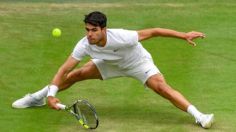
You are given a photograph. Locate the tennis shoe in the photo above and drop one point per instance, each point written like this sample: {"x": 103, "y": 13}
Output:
{"x": 28, "y": 101}
{"x": 206, "y": 120}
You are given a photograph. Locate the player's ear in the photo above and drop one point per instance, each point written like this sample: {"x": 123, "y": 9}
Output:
{"x": 104, "y": 29}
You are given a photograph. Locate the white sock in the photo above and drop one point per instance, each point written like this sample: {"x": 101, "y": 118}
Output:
{"x": 41, "y": 93}
{"x": 194, "y": 112}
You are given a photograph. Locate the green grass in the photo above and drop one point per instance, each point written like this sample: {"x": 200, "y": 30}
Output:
{"x": 30, "y": 56}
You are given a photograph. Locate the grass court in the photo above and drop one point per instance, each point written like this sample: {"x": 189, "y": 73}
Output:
{"x": 205, "y": 74}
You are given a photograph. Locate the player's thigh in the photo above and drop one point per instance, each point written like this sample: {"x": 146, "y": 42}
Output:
{"x": 87, "y": 71}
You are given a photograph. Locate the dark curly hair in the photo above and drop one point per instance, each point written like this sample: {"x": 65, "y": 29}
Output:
{"x": 96, "y": 18}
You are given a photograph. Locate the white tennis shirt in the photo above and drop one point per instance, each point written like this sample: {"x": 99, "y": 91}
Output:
{"x": 122, "y": 49}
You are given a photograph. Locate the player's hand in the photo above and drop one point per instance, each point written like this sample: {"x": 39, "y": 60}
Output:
{"x": 190, "y": 36}
{"x": 52, "y": 101}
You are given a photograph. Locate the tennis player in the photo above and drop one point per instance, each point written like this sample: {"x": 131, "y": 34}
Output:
{"x": 115, "y": 53}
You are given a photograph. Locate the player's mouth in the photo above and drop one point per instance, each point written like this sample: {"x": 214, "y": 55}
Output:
{"x": 91, "y": 40}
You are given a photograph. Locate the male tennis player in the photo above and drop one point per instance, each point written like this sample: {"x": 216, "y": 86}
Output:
{"x": 115, "y": 53}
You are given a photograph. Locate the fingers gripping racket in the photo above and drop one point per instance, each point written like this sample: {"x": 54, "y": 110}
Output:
{"x": 84, "y": 112}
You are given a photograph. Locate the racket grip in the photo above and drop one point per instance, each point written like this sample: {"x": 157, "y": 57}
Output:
{"x": 61, "y": 106}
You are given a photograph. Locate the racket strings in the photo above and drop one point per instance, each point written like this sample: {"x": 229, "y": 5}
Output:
{"x": 87, "y": 114}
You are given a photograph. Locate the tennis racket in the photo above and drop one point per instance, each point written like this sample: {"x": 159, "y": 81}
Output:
{"x": 84, "y": 112}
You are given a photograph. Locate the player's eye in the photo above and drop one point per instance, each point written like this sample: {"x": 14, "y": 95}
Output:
{"x": 87, "y": 29}
{"x": 94, "y": 29}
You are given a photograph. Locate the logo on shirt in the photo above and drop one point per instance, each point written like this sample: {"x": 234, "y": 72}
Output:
{"x": 147, "y": 71}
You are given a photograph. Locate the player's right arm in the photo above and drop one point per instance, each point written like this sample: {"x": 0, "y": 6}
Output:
{"x": 59, "y": 80}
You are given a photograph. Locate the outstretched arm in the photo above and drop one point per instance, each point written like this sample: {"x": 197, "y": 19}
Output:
{"x": 59, "y": 80}
{"x": 155, "y": 32}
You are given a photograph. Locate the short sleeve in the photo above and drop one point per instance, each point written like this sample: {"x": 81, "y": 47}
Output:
{"x": 79, "y": 51}
{"x": 130, "y": 36}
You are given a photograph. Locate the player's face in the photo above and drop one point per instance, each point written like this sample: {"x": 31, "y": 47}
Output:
{"x": 95, "y": 34}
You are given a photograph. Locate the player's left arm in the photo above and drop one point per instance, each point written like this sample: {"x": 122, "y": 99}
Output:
{"x": 155, "y": 32}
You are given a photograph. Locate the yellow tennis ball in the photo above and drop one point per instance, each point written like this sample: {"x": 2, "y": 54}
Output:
{"x": 56, "y": 32}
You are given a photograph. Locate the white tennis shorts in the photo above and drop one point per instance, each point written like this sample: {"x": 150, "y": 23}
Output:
{"x": 141, "y": 72}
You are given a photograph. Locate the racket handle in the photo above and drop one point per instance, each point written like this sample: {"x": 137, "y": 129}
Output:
{"x": 61, "y": 106}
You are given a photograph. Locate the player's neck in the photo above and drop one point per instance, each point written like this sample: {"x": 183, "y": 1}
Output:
{"x": 103, "y": 41}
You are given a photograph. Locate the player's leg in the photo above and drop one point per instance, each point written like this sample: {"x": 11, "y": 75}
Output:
{"x": 158, "y": 84}
{"x": 94, "y": 69}
{"x": 88, "y": 71}
{"x": 150, "y": 76}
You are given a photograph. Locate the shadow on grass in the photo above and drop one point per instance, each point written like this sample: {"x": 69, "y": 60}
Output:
{"x": 144, "y": 114}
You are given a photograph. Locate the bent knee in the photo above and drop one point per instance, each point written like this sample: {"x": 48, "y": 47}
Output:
{"x": 161, "y": 87}
{"x": 158, "y": 84}
{"x": 155, "y": 80}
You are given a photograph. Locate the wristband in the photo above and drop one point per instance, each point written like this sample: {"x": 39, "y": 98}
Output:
{"x": 52, "y": 90}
